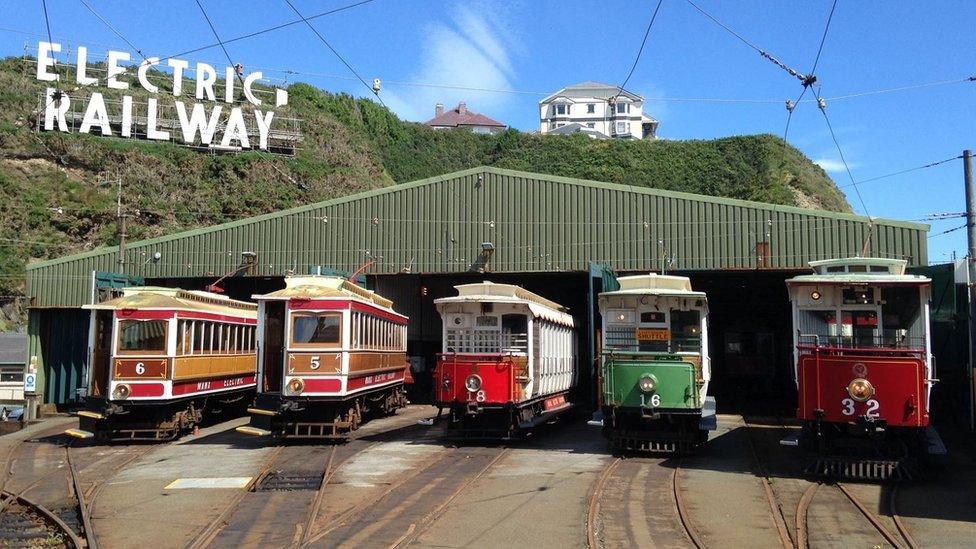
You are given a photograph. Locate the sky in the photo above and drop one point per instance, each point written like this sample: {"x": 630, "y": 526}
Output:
{"x": 423, "y": 50}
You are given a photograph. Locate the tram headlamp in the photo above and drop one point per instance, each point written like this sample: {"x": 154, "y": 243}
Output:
{"x": 121, "y": 391}
{"x": 473, "y": 383}
{"x": 646, "y": 383}
{"x": 815, "y": 295}
{"x": 296, "y": 386}
{"x": 860, "y": 390}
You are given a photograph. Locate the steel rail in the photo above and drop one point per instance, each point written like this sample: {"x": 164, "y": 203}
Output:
{"x": 206, "y": 536}
{"x": 802, "y": 507}
{"x": 775, "y": 509}
{"x": 313, "y": 508}
{"x": 683, "y": 515}
{"x": 872, "y": 518}
{"x": 899, "y": 523}
{"x": 416, "y": 530}
{"x": 369, "y": 502}
{"x": 83, "y": 508}
{"x": 73, "y": 538}
{"x": 593, "y": 507}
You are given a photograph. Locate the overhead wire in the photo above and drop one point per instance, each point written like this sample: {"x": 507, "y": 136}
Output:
{"x": 823, "y": 39}
{"x": 219, "y": 41}
{"x": 113, "y": 29}
{"x": 954, "y": 229}
{"x": 335, "y": 52}
{"x": 647, "y": 32}
{"x": 900, "y": 172}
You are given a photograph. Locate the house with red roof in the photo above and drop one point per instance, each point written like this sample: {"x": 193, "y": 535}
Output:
{"x": 461, "y": 117}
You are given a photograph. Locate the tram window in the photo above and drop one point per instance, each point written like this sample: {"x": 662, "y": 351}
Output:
{"x": 309, "y": 329}
{"x": 854, "y": 296}
{"x": 879, "y": 269}
{"x": 857, "y": 269}
{"x": 653, "y": 317}
{"x": 821, "y": 323}
{"x": 685, "y": 331}
{"x": 208, "y": 337}
{"x": 860, "y": 326}
{"x": 184, "y": 335}
{"x": 836, "y": 269}
{"x": 142, "y": 336}
{"x": 900, "y": 312}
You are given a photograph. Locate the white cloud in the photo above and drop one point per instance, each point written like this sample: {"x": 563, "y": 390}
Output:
{"x": 472, "y": 51}
{"x": 831, "y": 165}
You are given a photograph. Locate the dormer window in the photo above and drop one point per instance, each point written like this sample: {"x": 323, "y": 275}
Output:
{"x": 591, "y": 108}
{"x": 623, "y": 108}
{"x": 561, "y": 109}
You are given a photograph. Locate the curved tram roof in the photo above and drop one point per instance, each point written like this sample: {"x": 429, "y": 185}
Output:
{"x": 491, "y": 292}
{"x": 655, "y": 284}
{"x": 326, "y": 287}
{"x": 158, "y": 298}
{"x": 859, "y": 271}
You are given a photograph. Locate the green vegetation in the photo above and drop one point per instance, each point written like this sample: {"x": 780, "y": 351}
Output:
{"x": 59, "y": 196}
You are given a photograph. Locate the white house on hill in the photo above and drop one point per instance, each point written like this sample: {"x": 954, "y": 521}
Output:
{"x": 598, "y": 110}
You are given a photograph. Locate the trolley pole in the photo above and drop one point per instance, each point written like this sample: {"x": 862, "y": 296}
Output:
{"x": 967, "y": 167}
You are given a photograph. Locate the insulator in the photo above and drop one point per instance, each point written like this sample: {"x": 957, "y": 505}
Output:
{"x": 376, "y": 85}
{"x": 790, "y": 105}
{"x": 822, "y": 103}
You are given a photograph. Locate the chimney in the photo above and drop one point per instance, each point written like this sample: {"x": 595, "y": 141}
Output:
{"x": 438, "y": 109}
{"x": 462, "y": 108}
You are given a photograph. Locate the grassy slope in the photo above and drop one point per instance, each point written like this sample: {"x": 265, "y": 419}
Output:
{"x": 350, "y": 145}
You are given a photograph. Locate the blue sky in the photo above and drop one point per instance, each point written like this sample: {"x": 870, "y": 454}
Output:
{"x": 537, "y": 47}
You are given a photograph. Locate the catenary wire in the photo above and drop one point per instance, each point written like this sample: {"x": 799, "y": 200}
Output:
{"x": 893, "y": 174}
{"x": 823, "y": 39}
{"x": 847, "y": 167}
{"x": 949, "y": 231}
{"x": 217, "y": 36}
{"x": 647, "y": 32}
{"x": 334, "y": 52}
{"x": 113, "y": 29}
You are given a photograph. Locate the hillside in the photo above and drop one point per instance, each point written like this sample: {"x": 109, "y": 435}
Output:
{"x": 54, "y": 203}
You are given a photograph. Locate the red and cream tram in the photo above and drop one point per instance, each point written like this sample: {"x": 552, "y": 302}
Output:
{"x": 863, "y": 367}
{"x": 160, "y": 357}
{"x": 509, "y": 360}
{"x": 331, "y": 354}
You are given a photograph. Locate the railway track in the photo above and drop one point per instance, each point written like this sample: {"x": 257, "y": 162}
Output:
{"x": 645, "y": 469}
{"x": 901, "y": 540}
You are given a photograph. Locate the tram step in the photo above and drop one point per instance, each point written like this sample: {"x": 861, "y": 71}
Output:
{"x": 709, "y": 421}
{"x": 792, "y": 440}
{"x": 89, "y": 414}
{"x": 78, "y": 433}
{"x": 248, "y": 430}
{"x": 261, "y": 412}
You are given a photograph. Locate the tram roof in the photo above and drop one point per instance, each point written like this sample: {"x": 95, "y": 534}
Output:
{"x": 859, "y": 270}
{"x": 154, "y": 297}
{"x": 655, "y": 284}
{"x": 491, "y": 292}
{"x": 325, "y": 287}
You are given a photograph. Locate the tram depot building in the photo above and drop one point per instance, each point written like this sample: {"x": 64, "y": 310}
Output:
{"x": 565, "y": 239}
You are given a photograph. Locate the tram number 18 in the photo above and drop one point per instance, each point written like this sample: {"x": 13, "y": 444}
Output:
{"x": 872, "y": 410}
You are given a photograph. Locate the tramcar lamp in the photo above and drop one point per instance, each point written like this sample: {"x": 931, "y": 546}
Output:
{"x": 646, "y": 383}
{"x": 296, "y": 386}
{"x": 121, "y": 392}
{"x": 473, "y": 383}
{"x": 815, "y": 295}
{"x": 860, "y": 389}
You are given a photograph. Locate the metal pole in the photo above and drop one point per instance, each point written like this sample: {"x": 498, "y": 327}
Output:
{"x": 967, "y": 167}
{"x": 121, "y": 218}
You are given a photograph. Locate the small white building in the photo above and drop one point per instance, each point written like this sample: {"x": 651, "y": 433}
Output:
{"x": 603, "y": 110}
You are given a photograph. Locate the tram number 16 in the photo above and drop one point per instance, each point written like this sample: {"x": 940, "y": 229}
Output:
{"x": 872, "y": 410}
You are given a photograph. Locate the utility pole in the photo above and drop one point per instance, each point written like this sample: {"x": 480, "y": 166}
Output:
{"x": 121, "y": 219}
{"x": 967, "y": 170}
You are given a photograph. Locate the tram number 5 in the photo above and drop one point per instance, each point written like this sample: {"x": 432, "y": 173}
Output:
{"x": 314, "y": 363}
{"x": 140, "y": 368}
{"x": 872, "y": 410}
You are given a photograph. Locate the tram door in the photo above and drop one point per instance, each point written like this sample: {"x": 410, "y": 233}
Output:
{"x": 273, "y": 352}
{"x": 101, "y": 353}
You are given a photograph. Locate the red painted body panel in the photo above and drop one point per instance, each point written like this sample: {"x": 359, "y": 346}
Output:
{"x": 497, "y": 374}
{"x": 192, "y": 387}
{"x": 142, "y": 390}
{"x": 899, "y": 383}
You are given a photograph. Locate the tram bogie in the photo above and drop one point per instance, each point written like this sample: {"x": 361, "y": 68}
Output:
{"x": 863, "y": 368}
{"x": 508, "y": 362}
{"x": 654, "y": 365}
{"x": 162, "y": 358}
{"x": 333, "y": 355}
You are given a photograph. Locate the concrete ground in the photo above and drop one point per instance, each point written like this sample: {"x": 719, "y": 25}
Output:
{"x": 401, "y": 483}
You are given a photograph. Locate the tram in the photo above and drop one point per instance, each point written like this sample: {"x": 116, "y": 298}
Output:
{"x": 160, "y": 358}
{"x": 508, "y": 362}
{"x": 863, "y": 367}
{"x": 655, "y": 366}
{"x": 332, "y": 354}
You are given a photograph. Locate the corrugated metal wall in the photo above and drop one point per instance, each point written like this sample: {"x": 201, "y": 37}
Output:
{"x": 59, "y": 340}
{"x": 534, "y": 222}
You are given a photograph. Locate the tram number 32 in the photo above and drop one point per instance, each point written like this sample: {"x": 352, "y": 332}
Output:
{"x": 848, "y": 410}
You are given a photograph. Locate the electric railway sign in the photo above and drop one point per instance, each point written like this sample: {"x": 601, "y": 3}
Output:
{"x": 211, "y": 116}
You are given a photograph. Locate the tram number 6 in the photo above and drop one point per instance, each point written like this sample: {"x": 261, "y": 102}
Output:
{"x": 872, "y": 410}
{"x": 655, "y": 400}
{"x": 314, "y": 363}
{"x": 140, "y": 368}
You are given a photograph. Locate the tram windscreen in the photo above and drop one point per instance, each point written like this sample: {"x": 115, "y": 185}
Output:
{"x": 310, "y": 329}
{"x": 685, "y": 331}
{"x": 142, "y": 336}
{"x": 901, "y": 313}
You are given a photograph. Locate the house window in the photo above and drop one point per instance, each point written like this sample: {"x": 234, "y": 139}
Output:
{"x": 591, "y": 108}
{"x": 560, "y": 109}
{"x": 590, "y": 125}
{"x": 623, "y": 127}
{"x": 623, "y": 108}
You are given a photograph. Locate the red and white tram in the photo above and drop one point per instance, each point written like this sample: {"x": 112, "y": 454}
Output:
{"x": 863, "y": 366}
{"x": 331, "y": 354}
{"x": 160, "y": 357}
{"x": 509, "y": 360}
